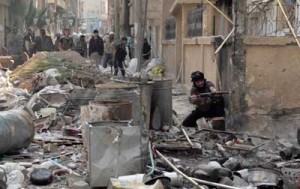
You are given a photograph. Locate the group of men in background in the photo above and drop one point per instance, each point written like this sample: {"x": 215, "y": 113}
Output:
{"x": 106, "y": 51}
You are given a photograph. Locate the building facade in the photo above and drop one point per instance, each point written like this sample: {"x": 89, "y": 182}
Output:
{"x": 95, "y": 14}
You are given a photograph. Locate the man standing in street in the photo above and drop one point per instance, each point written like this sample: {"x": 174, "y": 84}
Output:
{"x": 29, "y": 42}
{"x": 109, "y": 48}
{"x": 119, "y": 57}
{"x": 66, "y": 42}
{"x": 96, "y": 47}
{"x": 44, "y": 42}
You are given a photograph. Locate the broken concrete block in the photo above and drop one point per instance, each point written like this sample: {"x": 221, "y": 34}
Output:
{"x": 80, "y": 185}
{"x": 199, "y": 174}
{"x": 72, "y": 165}
{"x": 214, "y": 164}
{"x": 15, "y": 177}
{"x": 239, "y": 182}
{"x": 224, "y": 172}
{"x": 226, "y": 181}
{"x": 50, "y": 148}
{"x": 285, "y": 143}
{"x": 71, "y": 179}
{"x": 231, "y": 163}
{"x": 174, "y": 130}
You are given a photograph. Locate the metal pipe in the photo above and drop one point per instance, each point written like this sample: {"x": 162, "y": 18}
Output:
{"x": 64, "y": 167}
{"x": 152, "y": 161}
{"x": 223, "y": 43}
{"x": 214, "y": 184}
{"x": 217, "y": 9}
{"x": 289, "y": 23}
{"x": 187, "y": 137}
{"x": 178, "y": 171}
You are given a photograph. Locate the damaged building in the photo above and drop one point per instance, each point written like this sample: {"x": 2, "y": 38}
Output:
{"x": 66, "y": 122}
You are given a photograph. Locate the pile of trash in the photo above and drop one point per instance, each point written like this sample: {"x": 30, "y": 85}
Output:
{"x": 152, "y": 68}
{"x": 51, "y": 68}
{"x": 42, "y": 142}
{"x": 64, "y": 124}
{"x": 226, "y": 159}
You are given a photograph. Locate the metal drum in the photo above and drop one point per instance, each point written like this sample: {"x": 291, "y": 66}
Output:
{"x": 16, "y": 130}
{"x": 161, "y": 103}
{"x": 117, "y": 91}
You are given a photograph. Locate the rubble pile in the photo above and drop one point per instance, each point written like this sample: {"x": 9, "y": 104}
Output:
{"x": 234, "y": 159}
{"x": 51, "y": 68}
{"x": 64, "y": 125}
{"x": 44, "y": 147}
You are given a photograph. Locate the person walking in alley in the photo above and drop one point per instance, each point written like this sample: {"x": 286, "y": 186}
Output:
{"x": 146, "y": 50}
{"x": 16, "y": 43}
{"x": 58, "y": 36}
{"x": 29, "y": 42}
{"x": 44, "y": 42}
{"x": 109, "y": 47}
{"x": 211, "y": 106}
{"x": 81, "y": 46}
{"x": 96, "y": 47}
{"x": 119, "y": 57}
{"x": 66, "y": 42}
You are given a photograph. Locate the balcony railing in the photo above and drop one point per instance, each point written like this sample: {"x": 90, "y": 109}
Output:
{"x": 265, "y": 18}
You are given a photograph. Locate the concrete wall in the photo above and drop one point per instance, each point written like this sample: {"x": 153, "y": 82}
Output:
{"x": 3, "y": 20}
{"x": 272, "y": 75}
{"x": 169, "y": 58}
{"x": 199, "y": 55}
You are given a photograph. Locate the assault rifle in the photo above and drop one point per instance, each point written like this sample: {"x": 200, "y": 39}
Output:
{"x": 211, "y": 94}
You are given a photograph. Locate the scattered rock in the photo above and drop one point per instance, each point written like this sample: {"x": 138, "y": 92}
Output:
{"x": 80, "y": 185}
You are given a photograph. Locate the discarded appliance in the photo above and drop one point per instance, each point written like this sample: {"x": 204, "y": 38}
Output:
{"x": 114, "y": 149}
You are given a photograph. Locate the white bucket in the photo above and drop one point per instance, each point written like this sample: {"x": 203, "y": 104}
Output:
{"x": 176, "y": 179}
{"x": 137, "y": 178}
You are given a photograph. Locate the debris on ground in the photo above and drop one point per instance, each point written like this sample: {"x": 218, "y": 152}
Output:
{"x": 64, "y": 124}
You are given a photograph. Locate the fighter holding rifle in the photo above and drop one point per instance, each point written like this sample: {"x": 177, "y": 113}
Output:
{"x": 208, "y": 101}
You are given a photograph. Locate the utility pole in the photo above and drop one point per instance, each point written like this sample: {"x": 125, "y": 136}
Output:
{"x": 238, "y": 59}
{"x": 125, "y": 16}
{"x": 138, "y": 30}
{"x": 117, "y": 19}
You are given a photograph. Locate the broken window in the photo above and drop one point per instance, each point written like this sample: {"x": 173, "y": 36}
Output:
{"x": 170, "y": 27}
{"x": 195, "y": 22}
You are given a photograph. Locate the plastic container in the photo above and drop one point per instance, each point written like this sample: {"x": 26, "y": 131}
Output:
{"x": 137, "y": 178}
